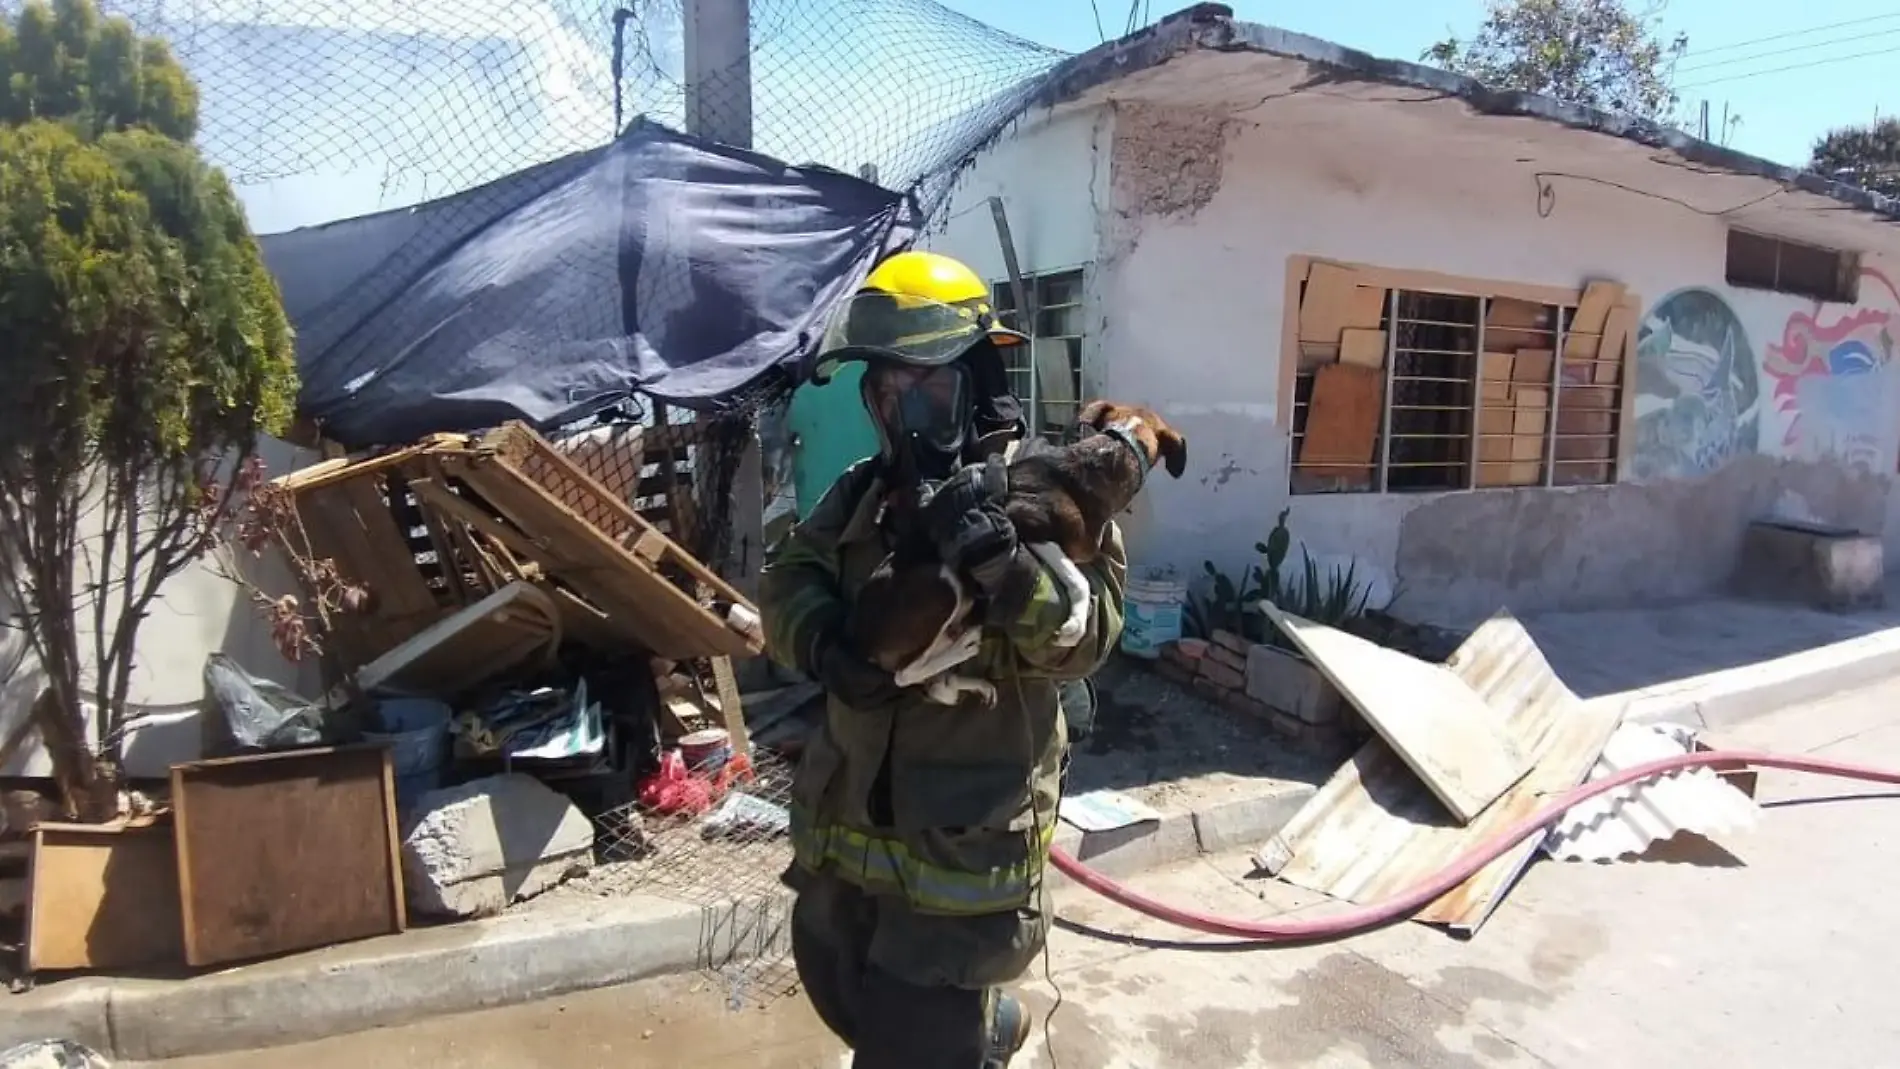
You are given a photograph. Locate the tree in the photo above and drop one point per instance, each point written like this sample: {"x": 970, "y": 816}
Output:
{"x": 146, "y": 352}
{"x": 1592, "y": 52}
{"x": 1867, "y": 156}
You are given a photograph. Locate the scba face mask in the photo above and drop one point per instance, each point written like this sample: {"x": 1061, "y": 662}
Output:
{"x": 922, "y": 415}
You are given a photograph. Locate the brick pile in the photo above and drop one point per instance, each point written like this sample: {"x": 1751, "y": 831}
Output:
{"x": 1216, "y": 670}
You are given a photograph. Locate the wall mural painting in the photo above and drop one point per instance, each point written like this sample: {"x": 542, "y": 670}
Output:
{"x": 1697, "y": 395}
{"x": 1831, "y": 381}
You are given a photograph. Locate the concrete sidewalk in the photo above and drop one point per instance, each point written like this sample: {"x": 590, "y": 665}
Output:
{"x": 586, "y": 943}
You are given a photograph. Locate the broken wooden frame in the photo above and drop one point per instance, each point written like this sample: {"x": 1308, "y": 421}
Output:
{"x": 437, "y": 526}
{"x": 1469, "y": 392}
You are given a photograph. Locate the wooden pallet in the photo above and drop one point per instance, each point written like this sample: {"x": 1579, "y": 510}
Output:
{"x": 436, "y": 527}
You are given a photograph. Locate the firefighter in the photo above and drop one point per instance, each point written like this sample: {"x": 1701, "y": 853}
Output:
{"x": 921, "y": 831}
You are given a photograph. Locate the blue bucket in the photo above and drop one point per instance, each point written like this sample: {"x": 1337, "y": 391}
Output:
{"x": 416, "y": 732}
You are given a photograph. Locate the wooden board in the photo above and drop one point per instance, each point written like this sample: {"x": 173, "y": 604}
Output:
{"x": 103, "y": 897}
{"x": 1342, "y": 420}
{"x": 1327, "y": 305}
{"x": 1593, "y": 310}
{"x": 1616, "y": 331}
{"x": 1363, "y": 348}
{"x": 499, "y": 634}
{"x": 1442, "y": 728}
{"x": 287, "y": 851}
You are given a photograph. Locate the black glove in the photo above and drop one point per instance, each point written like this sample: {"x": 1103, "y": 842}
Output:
{"x": 972, "y": 533}
{"x": 964, "y": 518}
{"x": 847, "y": 675}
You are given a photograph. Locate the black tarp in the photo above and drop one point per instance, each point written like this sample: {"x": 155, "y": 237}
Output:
{"x": 682, "y": 268}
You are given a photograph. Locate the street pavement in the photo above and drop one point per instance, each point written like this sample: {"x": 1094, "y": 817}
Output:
{"x": 1777, "y": 954}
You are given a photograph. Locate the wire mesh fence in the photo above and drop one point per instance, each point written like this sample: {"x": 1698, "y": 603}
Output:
{"x": 719, "y": 843}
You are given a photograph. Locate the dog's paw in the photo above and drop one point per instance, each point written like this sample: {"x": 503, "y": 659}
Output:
{"x": 1073, "y": 629}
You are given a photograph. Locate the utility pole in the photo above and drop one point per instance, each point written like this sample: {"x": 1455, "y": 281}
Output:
{"x": 718, "y": 69}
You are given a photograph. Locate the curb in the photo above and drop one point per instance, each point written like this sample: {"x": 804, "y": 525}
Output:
{"x": 514, "y": 958}
{"x": 1724, "y": 699}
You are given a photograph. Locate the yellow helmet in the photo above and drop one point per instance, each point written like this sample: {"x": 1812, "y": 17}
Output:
{"x": 919, "y": 308}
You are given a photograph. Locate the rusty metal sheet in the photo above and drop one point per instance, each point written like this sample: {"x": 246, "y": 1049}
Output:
{"x": 1625, "y": 823}
{"x": 1446, "y": 733}
{"x": 1375, "y": 829}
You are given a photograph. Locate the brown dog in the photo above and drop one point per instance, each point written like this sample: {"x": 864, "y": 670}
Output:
{"x": 913, "y": 616}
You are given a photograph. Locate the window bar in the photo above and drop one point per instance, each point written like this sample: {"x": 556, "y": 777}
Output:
{"x": 1391, "y": 369}
{"x": 1477, "y": 398}
{"x": 1556, "y": 388}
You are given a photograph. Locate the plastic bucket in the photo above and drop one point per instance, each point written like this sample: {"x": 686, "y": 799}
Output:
{"x": 416, "y": 732}
{"x": 1152, "y": 617}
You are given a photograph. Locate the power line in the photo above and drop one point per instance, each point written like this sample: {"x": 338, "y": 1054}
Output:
{"x": 1773, "y": 37}
{"x": 1790, "y": 67}
{"x": 1786, "y": 51}
{"x": 1099, "y": 32}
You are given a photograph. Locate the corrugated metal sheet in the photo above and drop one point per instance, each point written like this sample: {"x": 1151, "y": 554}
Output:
{"x": 1375, "y": 830}
{"x": 1625, "y": 823}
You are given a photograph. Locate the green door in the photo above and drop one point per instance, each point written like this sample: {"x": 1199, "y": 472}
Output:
{"x": 830, "y": 432}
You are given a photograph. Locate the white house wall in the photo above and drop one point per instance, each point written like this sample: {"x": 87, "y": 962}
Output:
{"x": 1797, "y": 413}
{"x": 1052, "y": 173}
{"x": 198, "y": 613}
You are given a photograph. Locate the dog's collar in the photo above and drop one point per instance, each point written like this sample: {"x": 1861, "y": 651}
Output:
{"x": 1123, "y": 431}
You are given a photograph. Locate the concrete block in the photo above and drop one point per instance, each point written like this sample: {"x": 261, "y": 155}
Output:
{"x": 476, "y": 848}
{"x": 1289, "y": 684}
{"x": 1224, "y": 656}
{"x": 1246, "y": 822}
{"x": 1831, "y": 568}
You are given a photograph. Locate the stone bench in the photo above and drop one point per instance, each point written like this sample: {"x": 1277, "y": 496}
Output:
{"x": 1833, "y": 568}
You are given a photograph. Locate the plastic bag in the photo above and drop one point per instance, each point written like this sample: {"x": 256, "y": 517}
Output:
{"x": 246, "y": 714}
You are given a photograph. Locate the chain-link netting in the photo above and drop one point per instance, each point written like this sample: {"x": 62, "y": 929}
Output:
{"x": 329, "y": 109}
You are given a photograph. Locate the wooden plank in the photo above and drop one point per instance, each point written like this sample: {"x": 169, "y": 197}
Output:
{"x": 1616, "y": 331}
{"x": 440, "y": 497}
{"x": 1362, "y": 348}
{"x": 1593, "y": 309}
{"x": 1442, "y": 728}
{"x": 103, "y": 896}
{"x": 1327, "y": 303}
{"x": 1342, "y": 420}
{"x": 465, "y": 649}
{"x": 512, "y": 439}
{"x": 640, "y": 602}
{"x": 286, "y": 851}
{"x": 1365, "y": 308}
{"x": 731, "y": 707}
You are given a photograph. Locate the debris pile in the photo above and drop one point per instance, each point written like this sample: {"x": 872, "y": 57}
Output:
{"x": 539, "y": 680}
{"x": 1461, "y": 751}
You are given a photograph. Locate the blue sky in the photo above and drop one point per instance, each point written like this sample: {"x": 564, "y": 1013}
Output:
{"x": 398, "y": 101}
{"x": 1782, "y": 113}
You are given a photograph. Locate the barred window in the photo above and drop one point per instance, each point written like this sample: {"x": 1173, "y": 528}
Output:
{"x": 1051, "y": 396}
{"x": 1411, "y": 389}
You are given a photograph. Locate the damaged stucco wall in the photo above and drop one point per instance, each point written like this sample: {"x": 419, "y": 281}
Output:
{"x": 1748, "y": 403}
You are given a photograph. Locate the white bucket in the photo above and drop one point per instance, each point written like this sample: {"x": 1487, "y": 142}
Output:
{"x": 1152, "y": 616}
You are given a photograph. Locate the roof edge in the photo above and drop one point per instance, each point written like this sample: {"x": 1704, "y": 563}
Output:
{"x": 1212, "y": 28}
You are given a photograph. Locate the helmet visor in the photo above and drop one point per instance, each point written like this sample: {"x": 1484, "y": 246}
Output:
{"x": 930, "y": 404}
{"x": 913, "y": 330}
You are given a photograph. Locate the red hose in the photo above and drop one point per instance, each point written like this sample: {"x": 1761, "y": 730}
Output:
{"x": 1362, "y": 918}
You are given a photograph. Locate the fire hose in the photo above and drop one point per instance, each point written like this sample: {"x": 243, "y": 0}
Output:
{"x": 1364, "y": 918}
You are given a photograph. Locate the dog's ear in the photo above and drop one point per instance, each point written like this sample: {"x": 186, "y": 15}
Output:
{"x": 1173, "y": 449}
{"x": 1095, "y": 414}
